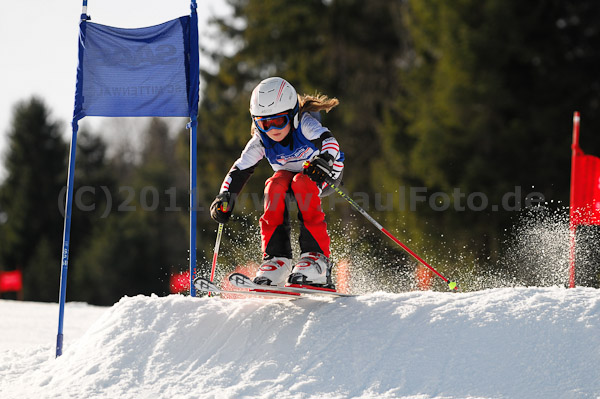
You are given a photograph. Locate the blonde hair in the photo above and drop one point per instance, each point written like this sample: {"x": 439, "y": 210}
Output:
{"x": 311, "y": 103}
{"x": 317, "y": 102}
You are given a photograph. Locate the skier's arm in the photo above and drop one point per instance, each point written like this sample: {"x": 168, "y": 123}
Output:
{"x": 236, "y": 179}
{"x": 240, "y": 172}
{"x": 244, "y": 167}
{"x": 331, "y": 157}
{"x": 320, "y": 136}
{"x": 330, "y": 146}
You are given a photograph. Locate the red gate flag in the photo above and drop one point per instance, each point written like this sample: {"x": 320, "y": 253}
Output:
{"x": 585, "y": 183}
{"x": 585, "y": 204}
{"x": 11, "y": 281}
{"x": 585, "y": 194}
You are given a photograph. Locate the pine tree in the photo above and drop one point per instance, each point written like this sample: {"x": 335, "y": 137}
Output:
{"x": 29, "y": 197}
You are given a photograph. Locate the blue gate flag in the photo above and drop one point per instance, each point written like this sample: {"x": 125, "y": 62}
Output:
{"x": 135, "y": 72}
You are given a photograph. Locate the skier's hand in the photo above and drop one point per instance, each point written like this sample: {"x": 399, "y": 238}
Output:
{"x": 221, "y": 208}
{"x": 319, "y": 168}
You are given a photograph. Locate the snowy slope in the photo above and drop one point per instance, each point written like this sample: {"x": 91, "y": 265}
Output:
{"x": 500, "y": 343}
{"x": 33, "y": 325}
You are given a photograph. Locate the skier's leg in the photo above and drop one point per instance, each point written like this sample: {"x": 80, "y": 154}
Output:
{"x": 313, "y": 228}
{"x": 313, "y": 267}
{"x": 275, "y": 231}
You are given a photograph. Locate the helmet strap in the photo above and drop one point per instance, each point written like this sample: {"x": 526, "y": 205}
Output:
{"x": 295, "y": 115}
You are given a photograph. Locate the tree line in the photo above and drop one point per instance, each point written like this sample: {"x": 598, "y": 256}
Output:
{"x": 453, "y": 117}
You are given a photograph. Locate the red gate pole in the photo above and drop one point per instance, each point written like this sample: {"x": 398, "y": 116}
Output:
{"x": 575, "y": 151}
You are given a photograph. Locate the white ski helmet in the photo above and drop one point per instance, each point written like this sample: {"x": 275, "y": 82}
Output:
{"x": 274, "y": 96}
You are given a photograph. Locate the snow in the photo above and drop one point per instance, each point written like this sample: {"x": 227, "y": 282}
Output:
{"x": 498, "y": 343}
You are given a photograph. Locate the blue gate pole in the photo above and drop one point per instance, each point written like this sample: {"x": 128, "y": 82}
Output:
{"x": 193, "y": 206}
{"x": 193, "y": 104}
{"x": 68, "y": 211}
{"x": 66, "y": 239}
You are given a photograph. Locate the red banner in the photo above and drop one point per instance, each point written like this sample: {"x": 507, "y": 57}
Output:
{"x": 585, "y": 183}
{"x": 585, "y": 194}
{"x": 585, "y": 203}
{"x": 11, "y": 281}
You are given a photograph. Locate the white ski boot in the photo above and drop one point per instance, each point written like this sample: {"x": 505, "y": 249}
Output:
{"x": 314, "y": 269}
{"x": 273, "y": 271}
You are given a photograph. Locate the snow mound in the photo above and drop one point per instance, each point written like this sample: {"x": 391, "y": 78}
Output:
{"x": 500, "y": 343}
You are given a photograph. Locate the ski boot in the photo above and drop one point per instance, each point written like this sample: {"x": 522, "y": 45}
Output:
{"x": 273, "y": 271}
{"x": 313, "y": 269}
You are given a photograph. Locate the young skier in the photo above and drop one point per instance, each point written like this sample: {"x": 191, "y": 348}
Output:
{"x": 286, "y": 130}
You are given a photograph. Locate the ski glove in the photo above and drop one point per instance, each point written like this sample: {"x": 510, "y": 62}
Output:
{"x": 319, "y": 168}
{"x": 221, "y": 208}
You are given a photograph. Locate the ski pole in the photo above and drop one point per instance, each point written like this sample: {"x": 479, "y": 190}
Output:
{"x": 224, "y": 207}
{"x": 451, "y": 284}
{"x": 216, "y": 254}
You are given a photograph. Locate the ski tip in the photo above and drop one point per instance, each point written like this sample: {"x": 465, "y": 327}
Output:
{"x": 205, "y": 285}
{"x": 453, "y": 285}
{"x": 241, "y": 281}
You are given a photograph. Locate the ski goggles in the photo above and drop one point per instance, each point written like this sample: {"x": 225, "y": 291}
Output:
{"x": 266, "y": 123}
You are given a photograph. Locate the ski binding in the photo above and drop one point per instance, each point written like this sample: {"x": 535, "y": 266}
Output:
{"x": 243, "y": 281}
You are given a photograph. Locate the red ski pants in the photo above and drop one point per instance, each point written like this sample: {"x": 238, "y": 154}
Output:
{"x": 274, "y": 223}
